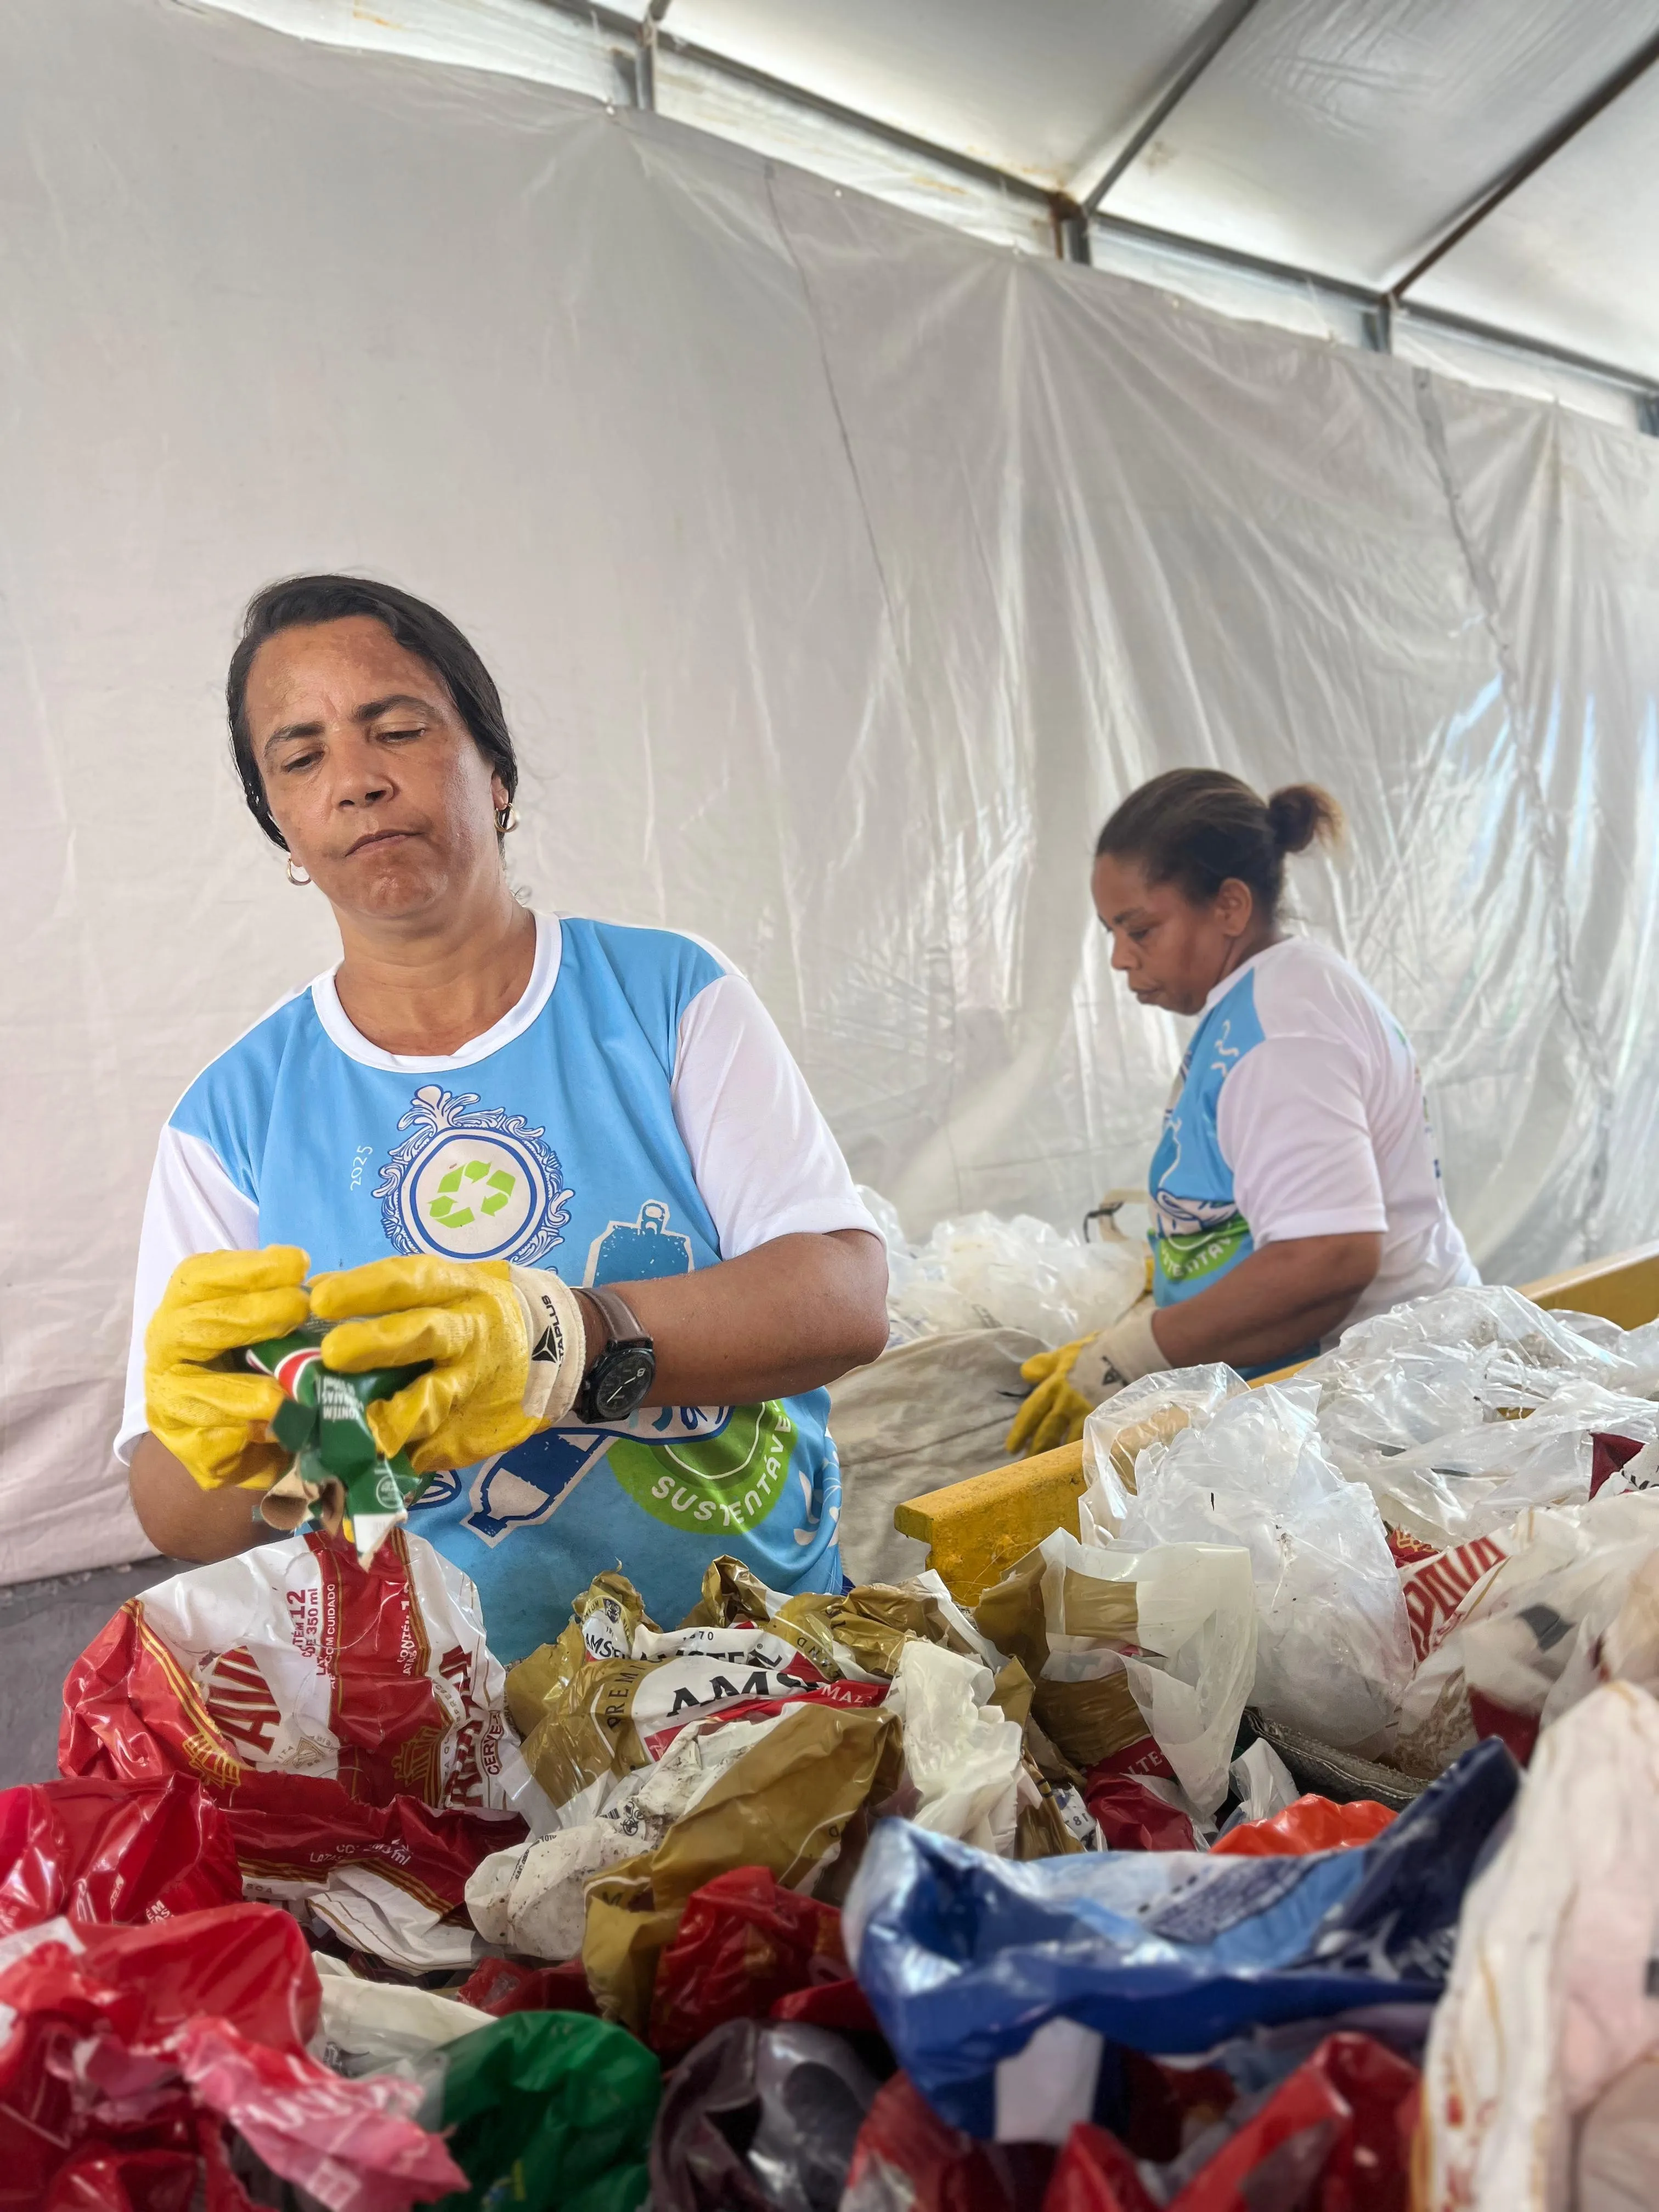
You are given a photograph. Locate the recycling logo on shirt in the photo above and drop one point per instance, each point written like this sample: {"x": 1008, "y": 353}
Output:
{"x": 470, "y": 1183}
{"x": 717, "y": 1484}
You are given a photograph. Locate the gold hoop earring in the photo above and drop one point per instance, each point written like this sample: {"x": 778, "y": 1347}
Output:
{"x": 299, "y": 881}
{"x": 506, "y": 818}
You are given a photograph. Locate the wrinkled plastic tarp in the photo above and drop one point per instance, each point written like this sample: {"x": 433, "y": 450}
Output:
{"x": 840, "y": 572}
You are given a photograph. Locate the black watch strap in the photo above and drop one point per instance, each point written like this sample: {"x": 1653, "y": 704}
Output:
{"x": 616, "y": 1383}
{"x": 622, "y": 1322}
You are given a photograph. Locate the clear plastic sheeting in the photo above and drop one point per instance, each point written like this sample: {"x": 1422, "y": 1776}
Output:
{"x": 984, "y": 1273}
{"x": 1334, "y": 1652}
{"x": 839, "y": 571}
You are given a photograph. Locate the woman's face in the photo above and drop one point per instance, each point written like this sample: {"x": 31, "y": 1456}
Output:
{"x": 371, "y": 776}
{"x": 1171, "y": 950}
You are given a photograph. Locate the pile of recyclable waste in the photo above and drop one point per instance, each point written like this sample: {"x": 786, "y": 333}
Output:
{"x": 1287, "y": 1835}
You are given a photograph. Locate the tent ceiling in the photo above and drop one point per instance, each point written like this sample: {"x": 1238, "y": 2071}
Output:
{"x": 1046, "y": 90}
{"x": 1345, "y": 137}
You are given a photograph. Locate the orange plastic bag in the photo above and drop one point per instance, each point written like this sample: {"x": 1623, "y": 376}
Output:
{"x": 1312, "y": 1824}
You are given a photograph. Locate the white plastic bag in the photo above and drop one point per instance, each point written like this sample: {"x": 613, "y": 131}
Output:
{"x": 533, "y": 1897}
{"x": 372, "y": 2027}
{"x": 1142, "y": 1414}
{"x": 986, "y": 1272}
{"x": 1191, "y": 1619}
{"x": 1475, "y": 1482}
{"x": 1548, "y": 2007}
{"x": 1533, "y": 1631}
{"x": 1472, "y": 1315}
{"x": 1333, "y": 1651}
{"x": 961, "y": 1754}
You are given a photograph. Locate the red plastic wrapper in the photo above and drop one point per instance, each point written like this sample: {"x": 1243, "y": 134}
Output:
{"x": 1608, "y": 1453}
{"x": 1333, "y": 2137}
{"x": 841, "y": 2005}
{"x": 908, "y": 2160}
{"x": 97, "y": 1850}
{"x": 1134, "y": 1818}
{"x": 1166, "y": 2107}
{"x": 504, "y": 1985}
{"x": 344, "y": 1717}
{"x": 743, "y": 1943}
{"x": 1095, "y": 2174}
{"x": 1312, "y": 1824}
{"x": 128, "y": 2049}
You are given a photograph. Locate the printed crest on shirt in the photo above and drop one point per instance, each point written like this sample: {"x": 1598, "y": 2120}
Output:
{"x": 471, "y": 1182}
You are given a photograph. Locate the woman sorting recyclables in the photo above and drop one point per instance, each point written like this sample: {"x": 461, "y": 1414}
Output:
{"x": 449, "y": 1144}
{"x": 1294, "y": 1187}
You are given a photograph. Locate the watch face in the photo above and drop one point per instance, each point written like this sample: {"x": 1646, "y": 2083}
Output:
{"x": 621, "y": 1380}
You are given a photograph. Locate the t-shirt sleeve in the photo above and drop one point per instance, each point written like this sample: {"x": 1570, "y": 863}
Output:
{"x": 764, "y": 1159}
{"x": 1292, "y": 1125}
{"x": 193, "y": 1206}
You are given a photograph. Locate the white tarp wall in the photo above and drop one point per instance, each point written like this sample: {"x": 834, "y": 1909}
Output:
{"x": 840, "y": 572}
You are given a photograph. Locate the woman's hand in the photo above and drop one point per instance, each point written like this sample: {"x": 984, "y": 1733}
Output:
{"x": 211, "y": 1421}
{"x": 1270, "y": 1307}
{"x": 503, "y": 1347}
{"x": 783, "y": 1318}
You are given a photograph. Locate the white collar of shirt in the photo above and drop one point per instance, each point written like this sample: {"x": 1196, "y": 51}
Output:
{"x": 543, "y": 973}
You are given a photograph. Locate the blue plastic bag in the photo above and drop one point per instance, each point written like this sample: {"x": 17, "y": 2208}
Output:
{"x": 964, "y": 1956}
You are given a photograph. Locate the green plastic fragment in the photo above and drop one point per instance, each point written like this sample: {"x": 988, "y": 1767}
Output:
{"x": 323, "y": 1421}
{"x": 545, "y": 2110}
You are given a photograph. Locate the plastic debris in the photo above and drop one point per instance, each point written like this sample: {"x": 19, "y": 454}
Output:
{"x": 1549, "y": 2010}
{"x": 1127, "y": 1647}
{"x": 1333, "y": 1653}
{"x": 338, "y": 1482}
{"x": 1513, "y": 1629}
{"x": 906, "y": 2158}
{"x": 1312, "y": 1824}
{"x": 986, "y": 1272}
{"x": 759, "y": 2120}
{"x": 743, "y": 1944}
{"x": 349, "y": 1720}
{"x": 548, "y": 2110}
{"x": 967, "y": 1960}
{"x": 129, "y": 2051}
{"x": 99, "y": 1850}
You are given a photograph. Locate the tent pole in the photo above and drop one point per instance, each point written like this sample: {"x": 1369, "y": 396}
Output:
{"x": 1212, "y": 37}
{"x": 1531, "y": 161}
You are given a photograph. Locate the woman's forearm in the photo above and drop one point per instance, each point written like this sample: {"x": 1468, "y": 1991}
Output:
{"x": 784, "y": 1318}
{"x": 1273, "y": 1306}
{"x": 180, "y": 1518}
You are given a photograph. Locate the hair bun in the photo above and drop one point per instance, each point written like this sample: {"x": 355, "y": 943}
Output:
{"x": 1300, "y": 813}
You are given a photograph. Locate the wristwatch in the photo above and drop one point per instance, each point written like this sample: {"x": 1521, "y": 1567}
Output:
{"x": 616, "y": 1384}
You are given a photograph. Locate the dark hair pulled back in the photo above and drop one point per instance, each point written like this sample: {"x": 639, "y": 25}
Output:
{"x": 1195, "y": 827}
{"x": 299, "y": 601}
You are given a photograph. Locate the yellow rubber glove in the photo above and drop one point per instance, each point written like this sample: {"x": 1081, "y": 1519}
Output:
{"x": 1072, "y": 1381}
{"x": 472, "y": 1320}
{"x": 1055, "y": 1413}
{"x": 214, "y": 1420}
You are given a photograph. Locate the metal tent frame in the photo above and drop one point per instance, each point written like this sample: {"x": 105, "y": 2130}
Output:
{"x": 1076, "y": 216}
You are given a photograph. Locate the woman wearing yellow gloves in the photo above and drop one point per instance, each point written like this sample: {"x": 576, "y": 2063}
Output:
{"x": 569, "y": 1167}
{"x": 1295, "y": 1187}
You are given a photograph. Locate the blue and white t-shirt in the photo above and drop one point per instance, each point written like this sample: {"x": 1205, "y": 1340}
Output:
{"x": 635, "y": 1114}
{"x": 1298, "y": 1111}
